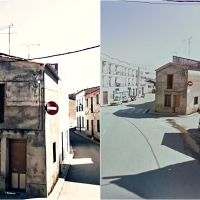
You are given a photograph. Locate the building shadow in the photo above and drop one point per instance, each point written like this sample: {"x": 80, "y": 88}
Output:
{"x": 176, "y": 142}
{"x": 179, "y": 181}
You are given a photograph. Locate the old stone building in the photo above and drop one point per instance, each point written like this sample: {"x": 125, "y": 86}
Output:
{"x": 92, "y": 112}
{"x": 177, "y": 87}
{"x": 34, "y": 140}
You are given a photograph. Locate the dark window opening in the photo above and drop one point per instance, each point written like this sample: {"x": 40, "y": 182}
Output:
{"x": 87, "y": 102}
{"x": 169, "y": 81}
{"x": 98, "y": 125}
{"x": 97, "y": 99}
{"x": 87, "y": 124}
{"x": 2, "y": 102}
{"x": 82, "y": 121}
{"x": 167, "y": 100}
{"x": 91, "y": 104}
{"x": 54, "y": 152}
{"x": 195, "y": 100}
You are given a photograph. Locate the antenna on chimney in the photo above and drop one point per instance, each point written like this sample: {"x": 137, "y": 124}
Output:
{"x": 188, "y": 39}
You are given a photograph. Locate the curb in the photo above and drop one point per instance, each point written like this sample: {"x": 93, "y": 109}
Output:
{"x": 87, "y": 137}
{"x": 59, "y": 184}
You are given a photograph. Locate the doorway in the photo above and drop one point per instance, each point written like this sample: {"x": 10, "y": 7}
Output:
{"x": 105, "y": 98}
{"x": 92, "y": 126}
{"x": 17, "y": 165}
{"x": 176, "y": 103}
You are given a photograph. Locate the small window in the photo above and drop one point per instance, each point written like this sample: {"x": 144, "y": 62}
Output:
{"x": 87, "y": 124}
{"x": 97, "y": 98}
{"x": 169, "y": 81}
{"x": 98, "y": 125}
{"x": 2, "y": 102}
{"x": 82, "y": 121}
{"x": 54, "y": 152}
{"x": 195, "y": 100}
{"x": 167, "y": 100}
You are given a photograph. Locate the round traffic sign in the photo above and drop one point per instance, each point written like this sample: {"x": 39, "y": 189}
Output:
{"x": 190, "y": 83}
{"x": 51, "y": 108}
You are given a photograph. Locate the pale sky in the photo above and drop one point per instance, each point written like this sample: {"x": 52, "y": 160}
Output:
{"x": 149, "y": 34}
{"x": 59, "y": 26}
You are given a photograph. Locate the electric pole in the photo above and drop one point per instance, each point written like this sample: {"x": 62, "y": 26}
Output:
{"x": 4, "y": 27}
{"x": 28, "y": 45}
{"x": 188, "y": 39}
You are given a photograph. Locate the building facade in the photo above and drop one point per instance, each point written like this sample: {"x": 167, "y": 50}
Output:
{"x": 92, "y": 113}
{"x": 177, "y": 87}
{"x": 120, "y": 79}
{"x": 33, "y": 143}
{"x": 81, "y": 107}
{"x": 72, "y": 110}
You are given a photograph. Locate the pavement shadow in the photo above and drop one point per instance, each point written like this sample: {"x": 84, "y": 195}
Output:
{"x": 176, "y": 142}
{"x": 179, "y": 181}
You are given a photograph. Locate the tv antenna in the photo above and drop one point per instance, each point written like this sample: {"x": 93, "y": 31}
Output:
{"x": 28, "y": 45}
{"x": 4, "y": 27}
{"x": 188, "y": 39}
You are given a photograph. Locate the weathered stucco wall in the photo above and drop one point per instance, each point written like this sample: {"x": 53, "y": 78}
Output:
{"x": 93, "y": 116}
{"x": 24, "y": 120}
{"x": 52, "y": 133}
{"x": 179, "y": 88}
{"x": 193, "y": 91}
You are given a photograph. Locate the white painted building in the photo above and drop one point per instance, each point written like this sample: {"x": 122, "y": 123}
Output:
{"x": 120, "y": 78}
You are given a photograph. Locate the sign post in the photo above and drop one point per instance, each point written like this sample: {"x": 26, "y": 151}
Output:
{"x": 190, "y": 83}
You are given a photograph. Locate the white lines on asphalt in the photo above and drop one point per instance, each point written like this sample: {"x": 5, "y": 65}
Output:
{"x": 104, "y": 131}
{"x": 138, "y": 110}
{"x": 131, "y": 110}
{"x": 145, "y": 111}
{"x": 108, "y": 124}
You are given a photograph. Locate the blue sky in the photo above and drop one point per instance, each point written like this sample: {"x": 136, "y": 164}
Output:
{"x": 149, "y": 34}
{"x": 58, "y": 26}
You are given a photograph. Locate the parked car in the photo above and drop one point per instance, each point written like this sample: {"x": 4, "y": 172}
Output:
{"x": 133, "y": 98}
{"x": 126, "y": 99}
{"x": 154, "y": 91}
{"x": 116, "y": 102}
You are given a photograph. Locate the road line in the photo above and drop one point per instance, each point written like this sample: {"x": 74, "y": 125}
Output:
{"x": 145, "y": 111}
{"x": 138, "y": 110}
{"x": 108, "y": 124}
{"x": 104, "y": 131}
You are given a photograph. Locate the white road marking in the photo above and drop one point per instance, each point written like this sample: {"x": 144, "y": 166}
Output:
{"x": 145, "y": 111}
{"x": 108, "y": 124}
{"x": 138, "y": 110}
{"x": 104, "y": 131}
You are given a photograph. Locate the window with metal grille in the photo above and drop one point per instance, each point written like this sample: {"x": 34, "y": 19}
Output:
{"x": 167, "y": 100}
{"x": 2, "y": 102}
{"x": 195, "y": 100}
{"x": 169, "y": 81}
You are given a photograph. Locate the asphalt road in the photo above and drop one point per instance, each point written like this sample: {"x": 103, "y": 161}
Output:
{"x": 144, "y": 156}
{"x": 86, "y": 161}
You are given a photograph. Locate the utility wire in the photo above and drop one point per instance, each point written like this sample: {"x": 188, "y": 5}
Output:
{"x": 61, "y": 54}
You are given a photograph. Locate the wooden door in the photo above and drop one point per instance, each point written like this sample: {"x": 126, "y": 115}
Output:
{"x": 176, "y": 102}
{"x": 105, "y": 98}
{"x": 18, "y": 164}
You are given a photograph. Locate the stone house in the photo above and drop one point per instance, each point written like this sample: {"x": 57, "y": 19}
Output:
{"x": 33, "y": 143}
{"x": 92, "y": 112}
{"x": 177, "y": 87}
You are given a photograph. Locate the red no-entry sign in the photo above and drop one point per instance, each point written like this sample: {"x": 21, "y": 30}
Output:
{"x": 51, "y": 108}
{"x": 190, "y": 83}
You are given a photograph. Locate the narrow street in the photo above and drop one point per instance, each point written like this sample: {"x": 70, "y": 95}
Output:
{"x": 145, "y": 156}
{"x": 83, "y": 178}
